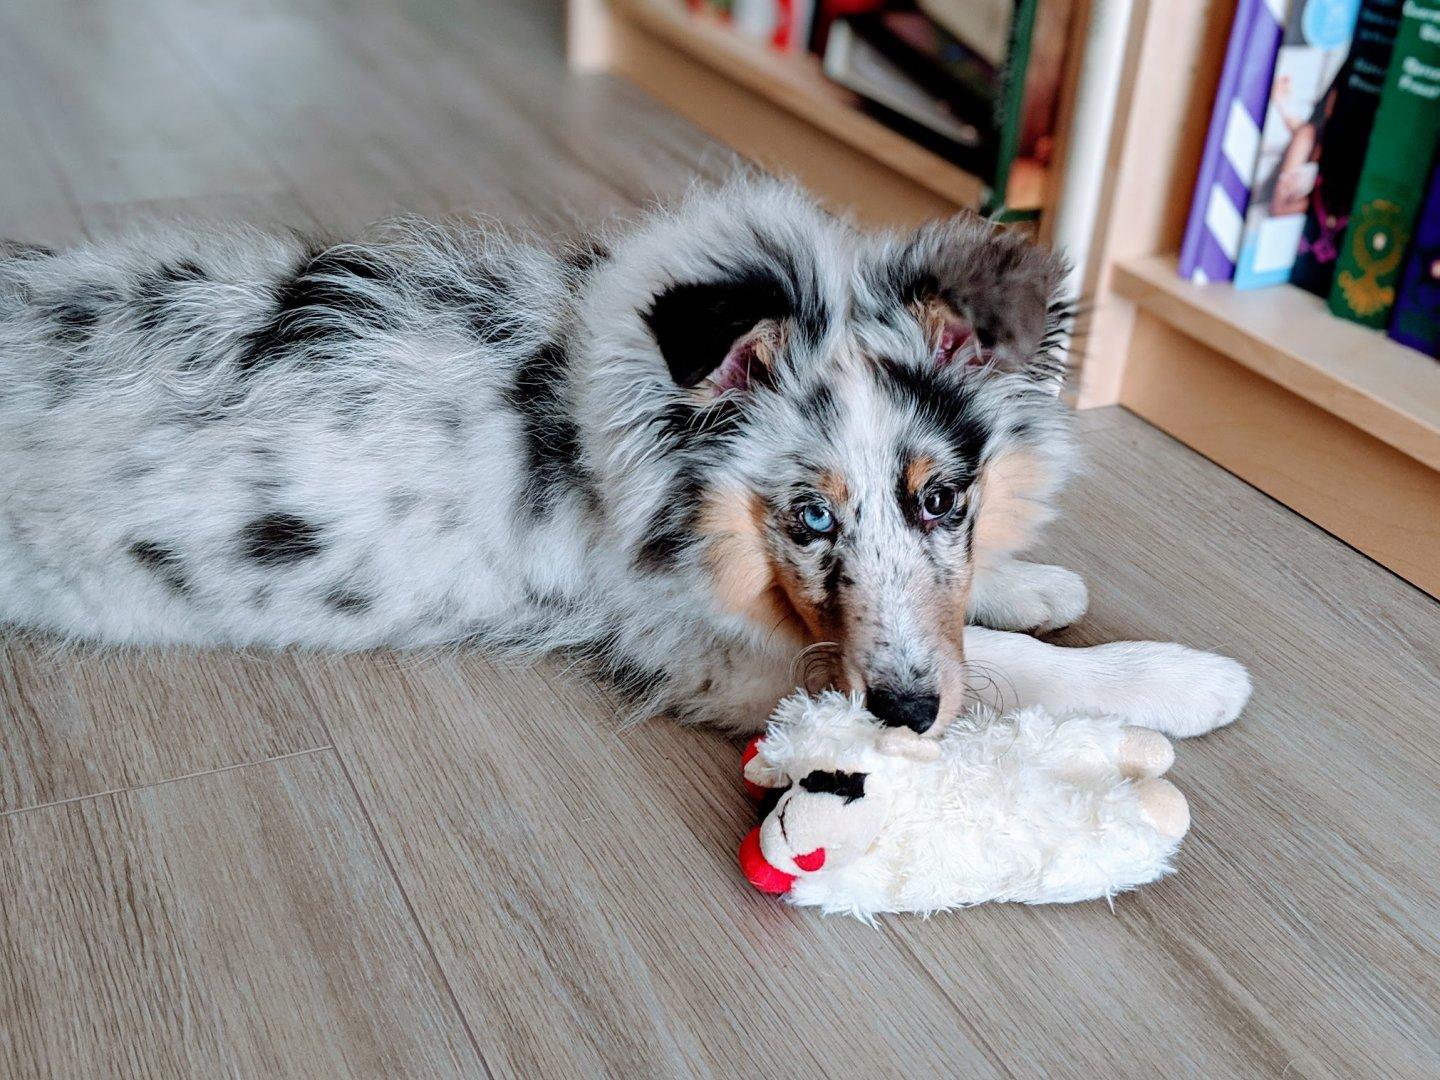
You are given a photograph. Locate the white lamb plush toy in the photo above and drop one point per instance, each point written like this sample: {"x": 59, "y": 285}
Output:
{"x": 1023, "y": 807}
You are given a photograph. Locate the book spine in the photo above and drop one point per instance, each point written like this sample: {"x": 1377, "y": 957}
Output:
{"x": 1392, "y": 180}
{"x": 1011, "y": 104}
{"x": 1232, "y": 145}
{"x": 1417, "y": 302}
{"x": 1342, "y": 151}
{"x": 1317, "y": 39}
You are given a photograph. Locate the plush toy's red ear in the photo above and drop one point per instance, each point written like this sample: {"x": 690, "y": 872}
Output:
{"x": 757, "y": 791}
{"x": 757, "y": 871}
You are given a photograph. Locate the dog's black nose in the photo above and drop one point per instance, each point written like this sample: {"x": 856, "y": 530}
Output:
{"x": 903, "y": 708}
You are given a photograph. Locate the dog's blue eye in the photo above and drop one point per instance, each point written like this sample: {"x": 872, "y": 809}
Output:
{"x": 818, "y": 518}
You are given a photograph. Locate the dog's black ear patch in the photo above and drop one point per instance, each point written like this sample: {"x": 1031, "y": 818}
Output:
{"x": 696, "y": 323}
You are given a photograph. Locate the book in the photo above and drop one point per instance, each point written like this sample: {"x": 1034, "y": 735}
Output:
{"x": 1302, "y": 98}
{"x": 983, "y": 25}
{"x": 782, "y": 24}
{"x": 920, "y": 79}
{"x": 827, "y": 11}
{"x": 1010, "y": 112}
{"x": 1416, "y": 321}
{"x": 902, "y": 103}
{"x": 1232, "y": 145}
{"x": 1392, "y": 179}
{"x": 936, "y": 61}
{"x": 1043, "y": 75}
{"x": 1342, "y": 151}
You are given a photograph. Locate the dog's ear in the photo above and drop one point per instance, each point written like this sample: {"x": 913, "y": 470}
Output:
{"x": 984, "y": 295}
{"x": 722, "y": 334}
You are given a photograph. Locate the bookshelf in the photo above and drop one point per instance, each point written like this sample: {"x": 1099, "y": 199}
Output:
{"x": 1286, "y": 335}
{"x": 779, "y": 110}
{"x": 1333, "y": 420}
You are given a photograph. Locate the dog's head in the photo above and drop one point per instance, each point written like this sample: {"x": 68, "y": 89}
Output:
{"x": 831, "y": 427}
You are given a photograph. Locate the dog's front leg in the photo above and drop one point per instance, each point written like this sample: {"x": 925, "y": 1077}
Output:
{"x": 1161, "y": 685}
{"x": 736, "y": 692}
{"x": 1008, "y": 594}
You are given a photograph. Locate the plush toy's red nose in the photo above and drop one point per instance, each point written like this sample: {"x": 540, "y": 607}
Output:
{"x": 757, "y": 871}
{"x": 751, "y": 749}
{"x": 811, "y": 861}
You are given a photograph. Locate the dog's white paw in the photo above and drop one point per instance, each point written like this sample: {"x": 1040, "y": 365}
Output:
{"x": 1182, "y": 691}
{"x": 1028, "y": 597}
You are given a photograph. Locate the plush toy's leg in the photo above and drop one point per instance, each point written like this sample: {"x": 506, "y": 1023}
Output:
{"x": 1144, "y": 753}
{"x": 1164, "y": 807}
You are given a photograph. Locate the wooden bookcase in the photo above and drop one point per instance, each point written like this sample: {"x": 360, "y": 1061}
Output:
{"x": 1334, "y": 420}
{"x": 780, "y": 111}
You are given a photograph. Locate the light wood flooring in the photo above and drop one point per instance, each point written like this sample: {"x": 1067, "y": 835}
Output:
{"x": 391, "y": 865}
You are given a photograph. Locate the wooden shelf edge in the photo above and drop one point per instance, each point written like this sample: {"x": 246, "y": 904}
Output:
{"x": 796, "y": 85}
{"x": 1288, "y": 336}
{"x": 1375, "y": 498}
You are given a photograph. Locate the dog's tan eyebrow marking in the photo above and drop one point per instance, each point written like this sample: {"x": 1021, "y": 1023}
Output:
{"x": 919, "y": 471}
{"x": 833, "y": 486}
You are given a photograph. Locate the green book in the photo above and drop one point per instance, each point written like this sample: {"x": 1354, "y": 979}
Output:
{"x": 1011, "y": 106}
{"x": 1392, "y": 180}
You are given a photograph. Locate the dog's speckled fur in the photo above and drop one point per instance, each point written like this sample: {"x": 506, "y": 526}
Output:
{"x": 445, "y": 434}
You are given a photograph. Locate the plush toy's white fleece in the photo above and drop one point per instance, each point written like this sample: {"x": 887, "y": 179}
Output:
{"x": 1024, "y": 807}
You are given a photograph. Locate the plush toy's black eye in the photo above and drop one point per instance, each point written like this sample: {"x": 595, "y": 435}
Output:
{"x": 848, "y": 785}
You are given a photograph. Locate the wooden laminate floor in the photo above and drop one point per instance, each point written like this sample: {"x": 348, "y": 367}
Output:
{"x": 391, "y": 865}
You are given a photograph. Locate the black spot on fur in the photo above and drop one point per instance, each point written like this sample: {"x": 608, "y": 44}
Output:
{"x": 348, "y": 602}
{"x": 72, "y": 321}
{"x": 319, "y": 304}
{"x": 585, "y": 257}
{"x": 132, "y": 470}
{"x": 551, "y": 442}
{"x": 155, "y": 291}
{"x": 23, "y": 249}
{"x": 671, "y": 529}
{"x": 164, "y": 563}
{"x": 940, "y": 403}
{"x": 630, "y": 678}
{"x": 695, "y": 323}
{"x": 61, "y": 383}
{"x": 818, "y": 406}
{"x": 849, "y": 786}
{"x": 399, "y": 503}
{"x": 279, "y": 539}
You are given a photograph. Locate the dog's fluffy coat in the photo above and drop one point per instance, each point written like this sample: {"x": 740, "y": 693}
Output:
{"x": 446, "y": 434}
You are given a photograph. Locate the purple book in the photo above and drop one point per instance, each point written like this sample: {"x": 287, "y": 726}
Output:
{"x": 1232, "y": 146}
{"x": 1416, "y": 321}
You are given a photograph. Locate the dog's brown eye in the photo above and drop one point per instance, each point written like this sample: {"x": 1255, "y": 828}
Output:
{"x": 937, "y": 502}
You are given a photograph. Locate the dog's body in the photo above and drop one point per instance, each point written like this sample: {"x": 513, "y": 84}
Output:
{"x": 743, "y": 431}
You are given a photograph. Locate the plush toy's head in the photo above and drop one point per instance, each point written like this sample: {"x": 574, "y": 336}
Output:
{"x": 836, "y": 771}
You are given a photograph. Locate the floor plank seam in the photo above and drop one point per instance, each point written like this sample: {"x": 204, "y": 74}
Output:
{"x": 409, "y": 905}
{"x": 160, "y": 783}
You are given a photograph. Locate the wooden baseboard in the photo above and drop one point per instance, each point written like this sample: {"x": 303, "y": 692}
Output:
{"x": 1370, "y": 495}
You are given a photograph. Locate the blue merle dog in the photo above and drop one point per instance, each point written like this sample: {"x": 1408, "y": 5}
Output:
{"x": 733, "y": 446}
